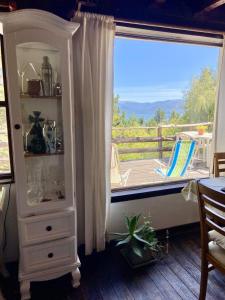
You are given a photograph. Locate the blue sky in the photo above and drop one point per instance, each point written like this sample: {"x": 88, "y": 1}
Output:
{"x": 149, "y": 71}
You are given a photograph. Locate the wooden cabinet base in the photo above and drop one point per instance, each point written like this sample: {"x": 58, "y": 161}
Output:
{"x": 76, "y": 278}
{"x": 25, "y": 289}
{"x": 26, "y": 279}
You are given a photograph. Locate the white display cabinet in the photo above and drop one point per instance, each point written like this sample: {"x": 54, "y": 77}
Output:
{"x": 38, "y": 55}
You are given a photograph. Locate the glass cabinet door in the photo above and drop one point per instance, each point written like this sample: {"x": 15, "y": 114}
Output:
{"x": 40, "y": 90}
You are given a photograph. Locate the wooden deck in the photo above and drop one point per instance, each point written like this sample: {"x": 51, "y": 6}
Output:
{"x": 142, "y": 172}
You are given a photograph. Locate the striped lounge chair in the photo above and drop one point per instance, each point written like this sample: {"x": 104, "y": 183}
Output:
{"x": 180, "y": 160}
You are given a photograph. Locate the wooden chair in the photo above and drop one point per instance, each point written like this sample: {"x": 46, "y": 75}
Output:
{"x": 212, "y": 221}
{"x": 219, "y": 164}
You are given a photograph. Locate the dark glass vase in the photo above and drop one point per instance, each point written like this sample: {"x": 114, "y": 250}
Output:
{"x": 35, "y": 139}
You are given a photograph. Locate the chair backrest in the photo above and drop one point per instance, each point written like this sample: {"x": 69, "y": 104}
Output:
{"x": 219, "y": 164}
{"x": 182, "y": 155}
{"x": 212, "y": 212}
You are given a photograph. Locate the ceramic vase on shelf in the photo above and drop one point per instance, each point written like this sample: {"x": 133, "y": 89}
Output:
{"x": 35, "y": 139}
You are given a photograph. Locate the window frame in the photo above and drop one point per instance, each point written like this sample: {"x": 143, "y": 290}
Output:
{"x": 172, "y": 35}
{"x": 147, "y": 191}
{"x": 6, "y": 177}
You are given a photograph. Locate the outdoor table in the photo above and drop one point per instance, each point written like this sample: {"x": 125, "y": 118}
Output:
{"x": 203, "y": 142}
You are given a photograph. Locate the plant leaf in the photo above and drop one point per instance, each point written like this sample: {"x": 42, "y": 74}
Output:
{"x": 139, "y": 229}
{"x": 141, "y": 240}
{"x": 137, "y": 250}
{"x": 127, "y": 222}
{"x": 133, "y": 224}
{"x": 125, "y": 241}
{"x": 120, "y": 234}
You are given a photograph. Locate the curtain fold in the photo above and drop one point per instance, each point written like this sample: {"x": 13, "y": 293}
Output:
{"x": 93, "y": 77}
{"x": 218, "y": 141}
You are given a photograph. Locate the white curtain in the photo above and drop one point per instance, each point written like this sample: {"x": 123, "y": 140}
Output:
{"x": 93, "y": 71}
{"x": 218, "y": 142}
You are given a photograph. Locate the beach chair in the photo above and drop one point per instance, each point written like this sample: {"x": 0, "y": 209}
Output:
{"x": 180, "y": 160}
{"x": 116, "y": 177}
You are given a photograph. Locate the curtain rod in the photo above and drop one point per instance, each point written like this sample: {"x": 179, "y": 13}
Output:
{"x": 162, "y": 26}
{"x": 173, "y": 40}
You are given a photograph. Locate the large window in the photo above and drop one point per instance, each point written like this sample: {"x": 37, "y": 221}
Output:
{"x": 5, "y": 162}
{"x": 164, "y": 99}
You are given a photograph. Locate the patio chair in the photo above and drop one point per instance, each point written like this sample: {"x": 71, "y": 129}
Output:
{"x": 180, "y": 160}
{"x": 116, "y": 177}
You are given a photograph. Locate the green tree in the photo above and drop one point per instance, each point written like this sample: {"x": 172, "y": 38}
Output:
{"x": 133, "y": 121}
{"x": 159, "y": 116}
{"x": 119, "y": 118}
{"x": 141, "y": 121}
{"x": 151, "y": 122}
{"x": 174, "y": 118}
{"x": 200, "y": 98}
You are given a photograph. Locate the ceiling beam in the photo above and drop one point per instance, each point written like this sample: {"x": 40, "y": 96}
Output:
{"x": 211, "y": 6}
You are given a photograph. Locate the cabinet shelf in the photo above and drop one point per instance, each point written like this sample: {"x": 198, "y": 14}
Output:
{"x": 27, "y": 154}
{"x": 28, "y": 97}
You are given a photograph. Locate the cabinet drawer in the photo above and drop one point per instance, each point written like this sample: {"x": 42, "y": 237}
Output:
{"x": 49, "y": 255}
{"x": 47, "y": 227}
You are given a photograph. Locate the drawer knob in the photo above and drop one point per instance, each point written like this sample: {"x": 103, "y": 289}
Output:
{"x": 49, "y": 228}
{"x": 50, "y": 255}
{"x": 17, "y": 126}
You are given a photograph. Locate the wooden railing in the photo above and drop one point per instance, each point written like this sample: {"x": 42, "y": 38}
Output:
{"x": 3, "y": 144}
{"x": 159, "y": 139}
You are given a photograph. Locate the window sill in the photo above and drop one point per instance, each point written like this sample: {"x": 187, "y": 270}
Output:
{"x": 147, "y": 192}
{"x": 6, "y": 180}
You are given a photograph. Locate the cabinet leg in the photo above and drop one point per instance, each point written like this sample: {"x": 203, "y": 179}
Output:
{"x": 75, "y": 278}
{"x": 25, "y": 289}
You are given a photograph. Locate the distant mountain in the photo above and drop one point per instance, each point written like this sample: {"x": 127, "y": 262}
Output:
{"x": 147, "y": 110}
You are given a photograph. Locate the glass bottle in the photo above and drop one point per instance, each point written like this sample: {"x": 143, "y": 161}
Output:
{"x": 47, "y": 77}
{"x": 49, "y": 131}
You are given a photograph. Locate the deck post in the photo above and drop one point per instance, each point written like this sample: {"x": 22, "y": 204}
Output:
{"x": 159, "y": 133}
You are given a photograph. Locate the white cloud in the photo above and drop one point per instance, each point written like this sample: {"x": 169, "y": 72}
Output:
{"x": 151, "y": 93}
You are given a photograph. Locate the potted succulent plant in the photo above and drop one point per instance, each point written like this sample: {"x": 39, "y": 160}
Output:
{"x": 139, "y": 246}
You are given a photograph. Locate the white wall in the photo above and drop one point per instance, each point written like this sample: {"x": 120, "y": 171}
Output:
{"x": 165, "y": 211}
